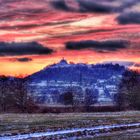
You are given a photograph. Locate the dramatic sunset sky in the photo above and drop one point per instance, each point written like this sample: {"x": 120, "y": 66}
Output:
{"x": 37, "y": 33}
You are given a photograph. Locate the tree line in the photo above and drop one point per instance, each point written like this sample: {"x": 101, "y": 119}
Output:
{"x": 14, "y": 95}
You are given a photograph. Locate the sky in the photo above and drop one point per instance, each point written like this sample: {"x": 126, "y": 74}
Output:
{"x": 38, "y": 33}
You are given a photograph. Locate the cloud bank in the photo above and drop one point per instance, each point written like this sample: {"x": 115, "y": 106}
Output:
{"x": 109, "y": 45}
{"x": 132, "y": 16}
{"x": 60, "y": 5}
{"x": 29, "y": 48}
{"x": 129, "y": 18}
{"x": 24, "y": 59}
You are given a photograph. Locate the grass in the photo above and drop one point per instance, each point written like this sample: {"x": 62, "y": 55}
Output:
{"x": 24, "y": 123}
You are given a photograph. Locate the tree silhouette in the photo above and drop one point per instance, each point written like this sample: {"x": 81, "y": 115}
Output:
{"x": 3, "y": 93}
{"x": 67, "y": 98}
{"x": 90, "y": 98}
{"x": 14, "y": 95}
{"x": 129, "y": 91}
{"x": 22, "y": 100}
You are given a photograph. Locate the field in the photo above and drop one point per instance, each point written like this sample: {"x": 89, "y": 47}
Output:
{"x": 133, "y": 134}
{"x": 12, "y": 124}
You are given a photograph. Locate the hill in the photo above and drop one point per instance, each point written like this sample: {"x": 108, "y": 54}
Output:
{"x": 76, "y": 84}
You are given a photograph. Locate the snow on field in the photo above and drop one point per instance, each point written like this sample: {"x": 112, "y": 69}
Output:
{"x": 63, "y": 132}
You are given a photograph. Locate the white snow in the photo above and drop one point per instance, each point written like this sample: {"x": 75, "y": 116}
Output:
{"x": 62, "y": 132}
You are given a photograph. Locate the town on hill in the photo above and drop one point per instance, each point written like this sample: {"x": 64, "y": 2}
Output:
{"x": 69, "y": 85}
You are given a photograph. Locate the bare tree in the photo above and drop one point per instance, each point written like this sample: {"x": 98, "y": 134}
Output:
{"x": 22, "y": 100}
{"x": 90, "y": 98}
{"x": 3, "y": 94}
{"x": 129, "y": 91}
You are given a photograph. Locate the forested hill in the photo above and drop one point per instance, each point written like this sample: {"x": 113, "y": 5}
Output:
{"x": 99, "y": 82}
{"x": 64, "y": 71}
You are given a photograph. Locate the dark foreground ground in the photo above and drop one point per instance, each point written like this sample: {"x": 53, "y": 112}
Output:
{"x": 131, "y": 134}
{"x": 13, "y": 124}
